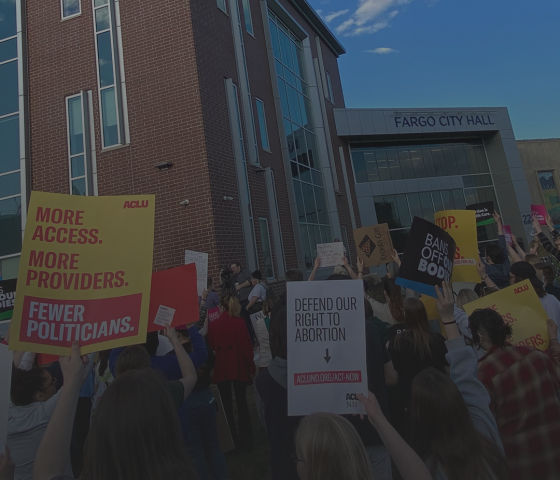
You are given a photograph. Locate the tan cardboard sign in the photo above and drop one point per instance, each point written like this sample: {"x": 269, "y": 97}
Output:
{"x": 374, "y": 244}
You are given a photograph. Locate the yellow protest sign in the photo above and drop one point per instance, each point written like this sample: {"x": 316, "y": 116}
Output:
{"x": 85, "y": 273}
{"x": 519, "y": 306}
{"x": 461, "y": 225}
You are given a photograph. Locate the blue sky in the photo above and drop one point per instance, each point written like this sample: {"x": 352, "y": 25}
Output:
{"x": 449, "y": 53}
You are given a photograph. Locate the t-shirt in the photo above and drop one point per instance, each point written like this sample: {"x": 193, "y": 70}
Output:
{"x": 408, "y": 363}
{"x": 177, "y": 391}
{"x": 552, "y": 308}
{"x": 258, "y": 291}
{"x": 242, "y": 277}
{"x": 212, "y": 300}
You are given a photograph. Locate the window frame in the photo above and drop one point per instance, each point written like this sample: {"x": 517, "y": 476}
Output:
{"x": 265, "y": 220}
{"x": 225, "y": 9}
{"x": 329, "y": 89}
{"x": 248, "y": 17}
{"x": 71, "y": 179}
{"x": 68, "y": 17}
{"x": 265, "y": 133}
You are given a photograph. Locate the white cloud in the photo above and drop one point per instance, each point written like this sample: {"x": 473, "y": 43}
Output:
{"x": 382, "y": 51}
{"x": 363, "y": 19}
{"x": 331, "y": 16}
{"x": 319, "y": 12}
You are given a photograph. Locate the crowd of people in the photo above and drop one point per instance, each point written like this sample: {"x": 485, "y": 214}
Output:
{"x": 449, "y": 396}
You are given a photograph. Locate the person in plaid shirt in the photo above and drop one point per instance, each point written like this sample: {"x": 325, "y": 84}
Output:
{"x": 523, "y": 384}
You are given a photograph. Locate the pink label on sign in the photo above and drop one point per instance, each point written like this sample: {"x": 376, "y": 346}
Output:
{"x": 507, "y": 234}
{"x": 213, "y": 314}
{"x": 539, "y": 211}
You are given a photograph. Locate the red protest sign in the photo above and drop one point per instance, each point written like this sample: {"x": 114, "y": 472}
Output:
{"x": 176, "y": 289}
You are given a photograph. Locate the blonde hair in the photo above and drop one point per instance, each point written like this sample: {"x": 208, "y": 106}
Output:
{"x": 466, "y": 295}
{"x": 331, "y": 449}
{"x": 231, "y": 305}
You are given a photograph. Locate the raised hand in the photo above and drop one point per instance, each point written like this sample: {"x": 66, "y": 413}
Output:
{"x": 73, "y": 366}
{"x": 317, "y": 263}
{"x": 373, "y": 409}
{"x": 549, "y": 222}
{"x": 536, "y": 224}
{"x": 445, "y": 301}
{"x": 497, "y": 217}
{"x": 396, "y": 257}
{"x": 345, "y": 261}
{"x": 481, "y": 268}
{"x": 360, "y": 265}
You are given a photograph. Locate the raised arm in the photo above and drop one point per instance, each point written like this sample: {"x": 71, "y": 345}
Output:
{"x": 52, "y": 454}
{"x": 316, "y": 266}
{"x": 185, "y": 363}
{"x": 517, "y": 247}
{"x": 409, "y": 464}
{"x": 349, "y": 268}
{"x": 483, "y": 275}
{"x": 498, "y": 221}
{"x": 200, "y": 352}
{"x": 360, "y": 265}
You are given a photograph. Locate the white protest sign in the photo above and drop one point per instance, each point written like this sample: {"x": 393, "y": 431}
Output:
{"x": 6, "y": 358}
{"x": 331, "y": 254}
{"x": 200, "y": 259}
{"x": 164, "y": 316}
{"x": 326, "y": 347}
{"x": 255, "y": 318}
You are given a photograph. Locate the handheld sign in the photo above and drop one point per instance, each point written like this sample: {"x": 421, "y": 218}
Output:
{"x": 484, "y": 212}
{"x": 331, "y": 254}
{"x": 539, "y": 211}
{"x": 461, "y": 225}
{"x": 200, "y": 259}
{"x": 519, "y": 306}
{"x": 174, "y": 296}
{"x": 507, "y": 234}
{"x": 213, "y": 314}
{"x": 374, "y": 245}
{"x": 7, "y": 298}
{"x": 427, "y": 259}
{"x": 85, "y": 273}
{"x": 326, "y": 347}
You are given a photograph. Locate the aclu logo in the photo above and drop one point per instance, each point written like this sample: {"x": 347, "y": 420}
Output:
{"x": 523, "y": 288}
{"x": 135, "y": 204}
{"x": 351, "y": 400}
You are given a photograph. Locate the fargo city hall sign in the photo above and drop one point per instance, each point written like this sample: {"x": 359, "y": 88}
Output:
{"x": 443, "y": 120}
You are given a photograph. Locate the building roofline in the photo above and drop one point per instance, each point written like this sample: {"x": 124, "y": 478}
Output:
{"x": 539, "y": 140}
{"x": 315, "y": 21}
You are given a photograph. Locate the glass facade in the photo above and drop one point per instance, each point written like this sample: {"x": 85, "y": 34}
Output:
{"x": 70, "y": 8}
{"x": 268, "y": 267}
{"x": 262, "y": 124}
{"x": 10, "y": 171}
{"x": 76, "y": 145}
{"x": 330, "y": 94}
{"x": 386, "y": 163}
{"x": 248, "y": 18}
{"x": 302, "y": 145}
{"x": 108, "y": 74}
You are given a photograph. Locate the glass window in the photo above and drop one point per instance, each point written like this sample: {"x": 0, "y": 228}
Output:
{"x": 449, "y": 159}
{"x": 330, "y": 94}
{"x": 405, "y": 163}
{"x": 309, "y": 201}
{"x": 102, "y": 19}
{"x": 10, "y": 184}
{"x": 9, "y": 101}
{"x": 266, "y": 250}
{"x": 109, "y": 107}
{"x": 417, "y": 163}
{"x": 8, "y": 16}
{"x": 79, "y": 187}
{"x": 75, "y": 125}
{"x": 222, "y": 5}
{"x": 105, "y": 52}
{"x": 70, "y": 8}
{"x": 9, "y": 140}
{"x": 262, "y": 124}
{"x": 8, "y": 50}
{"x": 76, "y": 147}
{"x": 388, "y": 164}
{"x": 247, "y": 15}
{"x": 371, "y": 165}
{"x": 10, "y": 225}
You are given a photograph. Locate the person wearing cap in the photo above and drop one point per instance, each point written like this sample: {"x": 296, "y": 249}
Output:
{"x": 258, "y": 293}
{"x": 520, "y": 271}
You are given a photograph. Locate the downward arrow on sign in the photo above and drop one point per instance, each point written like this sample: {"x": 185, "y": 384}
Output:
{"x": 327, "y": 358}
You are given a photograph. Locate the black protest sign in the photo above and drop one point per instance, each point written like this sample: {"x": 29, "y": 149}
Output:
{"x": 427, "y": 260}
{"x": 7, "y": 298}
{"x": 484, "y": 212}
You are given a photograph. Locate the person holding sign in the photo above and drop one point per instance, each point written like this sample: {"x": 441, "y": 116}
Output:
{"x": 523, "y": 384}
{"x": 496, "y": 258}
{"x": 392, "y": 311}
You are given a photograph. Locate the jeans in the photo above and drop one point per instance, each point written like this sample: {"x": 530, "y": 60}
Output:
{"x": 204, "y": 445}
{"x": 243, "y": 441}
{"x": 380, "y": 461}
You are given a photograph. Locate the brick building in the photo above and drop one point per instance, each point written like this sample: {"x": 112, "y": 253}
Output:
{"x": 225, "y": 103}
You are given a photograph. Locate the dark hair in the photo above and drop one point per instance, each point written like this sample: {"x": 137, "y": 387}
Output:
{"x": 368, "y": 309}
{"x": 396, "y": 306}
{"x": 549, "y": 275}
{"x": 492, "y": 323}
{"x": 237, "y": 262}
{"x": 269, "y": 303}
{"x": 494, "y": 252}
{"x": 257, "y": 275}
{"x": 26, "y": 384}
{"x": 136, "y": 434}
{"x": 103, "y": 361}
{"x": 209, "y": 282}
{"x": 417, "y": 329}
{"x": 134, "y": 357}
{"x": 293, "y": 275}
{"x": 152, "y": 343}
{"x": 279, "y": 333}
{"x": 443, "y": 433}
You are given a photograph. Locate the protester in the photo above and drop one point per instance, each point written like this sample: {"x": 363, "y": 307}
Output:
{"x": 392, "y": 311}
{"x": 258, "y": 293}
{"x": 496, "y": 258}
{"x": 553, "y": 256}
{"x": 523, "y": 384}
{"x": 135, "y": 434}
{"x": 549, "y": 276}
{"x": 328, "y": 447}
{"x": 228, "y": 337}
{"x": 525, "y": 271}
{"x": 417, "y": 347}
{"x": 204, "y": 445}
{"x": 240, "y": 285}
{"x": 209, "y": 297}
{"x": 102, "y": 377}
{"x": 262, "y": 330}
{"x": 465, "y": 296}
{"x": 452, "y": 428}
{"x": 380, "y": 325}
{"x": 272, "y": 385}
